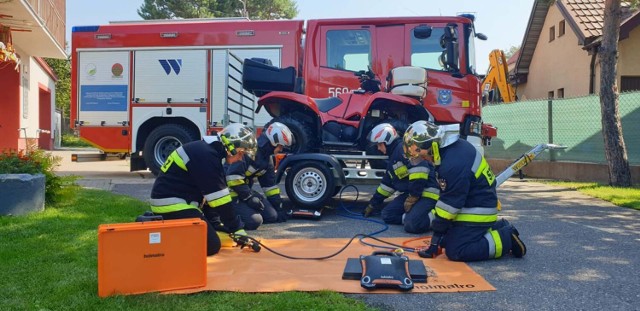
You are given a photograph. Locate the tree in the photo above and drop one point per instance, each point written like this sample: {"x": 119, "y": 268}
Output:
{"x": 62, "y": 69}
{"x": 511, "y": 51}
{"x": 615, "y": 149}
{"x": 256, "y": 9}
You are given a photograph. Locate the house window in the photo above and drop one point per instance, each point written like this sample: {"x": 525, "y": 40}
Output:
{"x": 630, "y": 83}
{"x": 561, "y": 28}
{"x": 561, "y": 93}
{"x": 550, "y": 95}
{"x": 552, "y": 33}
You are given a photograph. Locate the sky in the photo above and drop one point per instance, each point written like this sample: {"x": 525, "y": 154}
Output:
{"x": 504, "y": 22}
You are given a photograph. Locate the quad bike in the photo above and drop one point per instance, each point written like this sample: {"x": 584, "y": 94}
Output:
{"x": 339, "y": 124}
{"x": 329, "y": 131}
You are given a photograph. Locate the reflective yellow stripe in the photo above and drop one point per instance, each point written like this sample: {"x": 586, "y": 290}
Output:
{"x": 221, "y": 201}
{"x": 430, "y": 195}
{"x": 481, "y": 168}
{"x": 381, "y": 190}
{"x": 171, "y": 208}
{"x": 498, "y": 242}
{"x": 476, "y": 218}
{"x": 236, "y": 182}
{"x": 414, "y": 176}
{"x": 401, "y": 172}
{"x": 233, "y": 194}
{"x": 272, "y": 192}
{"x": 444, "y": 214}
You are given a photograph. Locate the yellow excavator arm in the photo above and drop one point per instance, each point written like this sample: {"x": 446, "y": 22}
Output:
{"x": 498, "y": 79}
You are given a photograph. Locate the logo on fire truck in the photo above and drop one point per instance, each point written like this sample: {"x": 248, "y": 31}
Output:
{"x": 168, "y": 64}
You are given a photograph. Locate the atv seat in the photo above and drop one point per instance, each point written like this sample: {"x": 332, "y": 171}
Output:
{"x": 408, "y": 81}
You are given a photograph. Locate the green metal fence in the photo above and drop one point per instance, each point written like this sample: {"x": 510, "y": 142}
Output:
{"x": 573, "y": 122}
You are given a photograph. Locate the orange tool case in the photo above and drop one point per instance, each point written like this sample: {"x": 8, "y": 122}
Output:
{"x": 143, "y": 257}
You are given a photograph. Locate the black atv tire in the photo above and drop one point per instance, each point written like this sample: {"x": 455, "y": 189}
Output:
{"x": 162, "y": 141}
{"x": 305, "y": 137}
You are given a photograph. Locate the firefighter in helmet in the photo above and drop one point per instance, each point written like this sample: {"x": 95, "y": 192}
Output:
{"x": 416, "y": 183}
{"x": 193, "y": 173}
{"x": 466, "y": 222}
{"x": 255, "y": 208}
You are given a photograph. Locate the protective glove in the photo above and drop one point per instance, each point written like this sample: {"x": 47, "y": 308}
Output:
{"x": 254, "y": 201}
{"x": 434, "y": 248}
{"x": 409, "y": 202}
{"x": 370, "y": 209}
{"x": 440, "y": 225}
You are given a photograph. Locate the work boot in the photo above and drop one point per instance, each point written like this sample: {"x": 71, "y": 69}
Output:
{"x": 501, "y": 223}
{"x": 518, "y": 249}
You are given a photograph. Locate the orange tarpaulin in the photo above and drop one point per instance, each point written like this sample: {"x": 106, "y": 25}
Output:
{"x": 246, "y": 271}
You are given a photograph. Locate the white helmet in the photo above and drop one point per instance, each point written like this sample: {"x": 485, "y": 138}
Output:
{"x": 279, "y": 134}
{"x": 383, "y": 133}
{"x": 236, "y": 136}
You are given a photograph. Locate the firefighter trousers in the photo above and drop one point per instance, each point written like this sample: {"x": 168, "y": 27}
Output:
{"x": 213, "y": 241}
{"x": 464, "y": 242}
{"x": 417, "y": 220}
{"x": 252, "y": 218}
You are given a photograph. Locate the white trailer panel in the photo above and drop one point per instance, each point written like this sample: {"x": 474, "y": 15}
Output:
{"x": 175, "y": 76}
{"x": 103, "y": 90}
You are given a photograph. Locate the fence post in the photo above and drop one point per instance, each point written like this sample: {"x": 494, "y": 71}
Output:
{"x": 552, "y": 153}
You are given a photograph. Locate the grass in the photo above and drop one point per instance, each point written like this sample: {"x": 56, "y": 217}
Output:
{"x": 49, "y": 262}
{"x": 70, "y": 140}
{"x": 626, "y": 197}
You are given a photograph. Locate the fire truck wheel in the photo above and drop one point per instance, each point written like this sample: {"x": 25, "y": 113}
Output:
{"x": 309, "y": 184}
{"x": 162, "y": 141}
{"x": 304, "y": 138}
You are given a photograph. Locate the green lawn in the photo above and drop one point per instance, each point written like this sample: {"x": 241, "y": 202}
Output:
{"x": 49, "y": 262}
{"x": 70, "y": 140}
{"x": 627, "y": 197}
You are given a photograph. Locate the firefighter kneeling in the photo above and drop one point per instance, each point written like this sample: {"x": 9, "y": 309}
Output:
{"x": 416, "y": 182}
{"x": 466, "y": 222}
{"x": 194, "y": 172}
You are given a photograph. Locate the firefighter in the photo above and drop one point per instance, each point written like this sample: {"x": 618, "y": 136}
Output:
{"x": 416, "y": 182}
{"x": 466, "y": 222}
{"x": 252, "y": 207}
{"x": 193, "y": 173}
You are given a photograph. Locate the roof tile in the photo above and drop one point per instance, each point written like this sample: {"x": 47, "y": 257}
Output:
{"x": 589, "y": 15}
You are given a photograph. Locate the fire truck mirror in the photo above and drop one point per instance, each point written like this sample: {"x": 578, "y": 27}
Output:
{"x": 422, "y": 32}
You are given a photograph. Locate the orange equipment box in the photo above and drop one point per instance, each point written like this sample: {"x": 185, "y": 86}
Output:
{"x": 143, "y": 257}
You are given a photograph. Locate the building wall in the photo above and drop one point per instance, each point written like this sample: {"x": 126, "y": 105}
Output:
{"x": 629, "y": 59}
{"x": 32, "y": 76}
{"x": 9, "y": 116}
{"x": 561, "y": 63}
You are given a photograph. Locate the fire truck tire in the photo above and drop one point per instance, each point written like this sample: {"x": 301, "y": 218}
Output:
{"x": 309, "y": 184}
{"x": 162, "y": 141}
{"x": 304, "y": 138}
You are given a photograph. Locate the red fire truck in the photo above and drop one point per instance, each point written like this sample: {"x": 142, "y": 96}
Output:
{"x": 144, "y": 88}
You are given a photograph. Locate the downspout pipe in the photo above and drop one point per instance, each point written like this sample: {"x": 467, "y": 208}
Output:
{"x": 592, "y": 69}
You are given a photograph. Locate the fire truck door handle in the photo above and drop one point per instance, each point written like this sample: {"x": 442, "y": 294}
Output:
{"x": 169, "y": 110}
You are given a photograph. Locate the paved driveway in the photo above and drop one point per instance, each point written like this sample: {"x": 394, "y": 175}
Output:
{"x": 583, "y": 253}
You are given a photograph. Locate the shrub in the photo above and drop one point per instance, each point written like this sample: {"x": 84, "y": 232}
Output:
{"x": 35, "y": 161}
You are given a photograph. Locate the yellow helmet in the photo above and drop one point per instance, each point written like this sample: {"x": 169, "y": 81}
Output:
{"x": 239, "y": 137}
{"x": 421, "y": 135}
